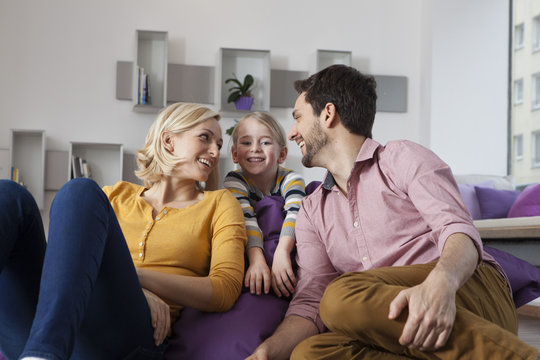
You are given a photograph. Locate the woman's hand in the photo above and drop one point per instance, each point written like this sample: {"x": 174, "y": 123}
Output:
{"x": 283, "y": 279}
{"x": 161, "y": 316}
{"x": 258, "y": 277}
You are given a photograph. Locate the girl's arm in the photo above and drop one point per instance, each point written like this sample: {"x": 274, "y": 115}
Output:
{"x": 239, "y": 187}
{"x": 293, "y": 190}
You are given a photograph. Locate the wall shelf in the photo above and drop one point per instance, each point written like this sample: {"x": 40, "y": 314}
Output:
{"x": 326, "y": 58}
{"x": 27, "y": 154}
{"x": 242, "y": 62}
{"x": 151, "y": 69}
{"x": 105, "y": 160}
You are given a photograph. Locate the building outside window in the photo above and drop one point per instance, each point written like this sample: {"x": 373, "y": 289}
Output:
{"x": 536, "y": 149}
{"x": 518, "y": 36}
{"x": 536, "y": 34}
{"x": 524, "y": 86}
{"x": 518, "y": 147}
{"x": 536, "y": 92}
{"x": 518, "y": 91}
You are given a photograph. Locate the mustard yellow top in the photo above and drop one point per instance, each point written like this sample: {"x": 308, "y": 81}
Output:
{"x": 204, "y": 239}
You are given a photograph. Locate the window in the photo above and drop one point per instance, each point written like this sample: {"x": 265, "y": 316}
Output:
{"x": 518, "y": 91}
{"x": 536, "y": 33}
{"x": 518, "y": 36}
{"x": 518, "y": 147}
{"x": 536, "y": 91}
{"x": 536, "y": 149}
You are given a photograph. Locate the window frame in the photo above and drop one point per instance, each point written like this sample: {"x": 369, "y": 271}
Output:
{"x": 519, "y": 44}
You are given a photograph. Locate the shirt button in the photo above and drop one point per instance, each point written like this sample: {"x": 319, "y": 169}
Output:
{"x": 355, "y": 224}
{"x": 364, "y": 258}
{"x": 141, "y": 243}
{"x": 164, "y": 211}
{"x": 158, "y": 218}
{"x": 144, "y": 235}
{"x": 140, "y": 255}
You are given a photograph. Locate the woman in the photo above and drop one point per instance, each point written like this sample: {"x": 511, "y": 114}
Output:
{"x": 186, "y": 244}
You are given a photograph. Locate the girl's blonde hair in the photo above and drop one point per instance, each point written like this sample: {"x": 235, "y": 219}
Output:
{"x": 153, "y": 160}
{"x": 267, "y": 120}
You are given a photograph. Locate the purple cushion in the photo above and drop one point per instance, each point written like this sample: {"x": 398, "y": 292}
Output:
{"x": 200, "y": 335}
{"x": 527, "y": 203}
{"x": 524, "y": 278}
{"x": 468, "y": 194}
{"x": 494, "y": 203}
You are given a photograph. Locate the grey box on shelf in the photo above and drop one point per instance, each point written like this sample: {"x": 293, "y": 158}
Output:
{"x": 282, "y": 92}
{"x": 124, "y": 80}
{"x": 391, "y": 93}
{"x": 190, "y": 83}
{"x": 55, "y": 169}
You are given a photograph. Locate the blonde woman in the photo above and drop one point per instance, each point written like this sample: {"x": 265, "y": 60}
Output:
{"x": 122, "y": 262}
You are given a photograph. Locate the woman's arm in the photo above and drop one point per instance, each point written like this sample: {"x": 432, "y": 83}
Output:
{"x": 190, "y": 291}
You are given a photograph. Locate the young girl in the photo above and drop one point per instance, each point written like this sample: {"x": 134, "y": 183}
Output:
{"x": 259, "y": 146}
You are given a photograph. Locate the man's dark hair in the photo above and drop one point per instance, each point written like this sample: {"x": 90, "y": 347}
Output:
{"x": 352, "y": 93}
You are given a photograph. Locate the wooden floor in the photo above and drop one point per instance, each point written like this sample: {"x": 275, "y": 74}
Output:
{"x": 529, "y": 329}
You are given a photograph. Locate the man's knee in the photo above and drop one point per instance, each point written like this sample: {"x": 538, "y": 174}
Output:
{"x": 302, "y": 350}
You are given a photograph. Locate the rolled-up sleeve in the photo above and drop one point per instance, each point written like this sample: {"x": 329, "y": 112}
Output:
{"x": 435, "y": 194}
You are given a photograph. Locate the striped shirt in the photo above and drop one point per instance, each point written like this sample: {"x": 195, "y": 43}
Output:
{"x": 289, "y": 185}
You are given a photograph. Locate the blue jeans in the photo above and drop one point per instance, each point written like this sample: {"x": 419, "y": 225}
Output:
{"x": 91, "y": 305}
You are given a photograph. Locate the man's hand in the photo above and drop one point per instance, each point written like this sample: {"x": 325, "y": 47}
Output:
{"x": 260, "y": 353}
{"x": 160, "y": 314}
{"x": 432, "y": 312}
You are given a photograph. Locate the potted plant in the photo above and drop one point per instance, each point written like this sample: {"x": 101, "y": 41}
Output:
{"x": 240, "y": 94}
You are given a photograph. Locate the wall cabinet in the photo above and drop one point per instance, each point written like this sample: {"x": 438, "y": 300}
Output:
{"x": 206, "y": 84}
{"x": 150, "y": 71}
{"x": 326, "y": 58}
{"x": 241, "y": 62}
{"x": 105, "y": 161}
{"x": 27, "y": 161}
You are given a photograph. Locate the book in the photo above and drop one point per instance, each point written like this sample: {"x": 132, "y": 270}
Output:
{"x": 76, "y": 171}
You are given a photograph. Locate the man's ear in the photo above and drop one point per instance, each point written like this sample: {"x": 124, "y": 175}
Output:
{"x": 282, "y": 155}
{"x": 329, "y": 115}
{"x": 167, "y": 141}
{"x": 234, "y": 154}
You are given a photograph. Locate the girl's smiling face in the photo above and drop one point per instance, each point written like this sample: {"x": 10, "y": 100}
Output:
{"x": 256, "y": 150}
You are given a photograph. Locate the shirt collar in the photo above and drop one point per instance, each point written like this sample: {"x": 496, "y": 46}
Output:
{"x": 367, "y": 152}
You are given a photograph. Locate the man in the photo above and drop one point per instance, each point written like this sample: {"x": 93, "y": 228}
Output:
{"x": 389, "y": 260}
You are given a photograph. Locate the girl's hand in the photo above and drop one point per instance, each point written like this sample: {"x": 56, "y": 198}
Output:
{"x": 258, "y": 277}
{"x": 161, "y": 317}
{"x": 283, "y": 279}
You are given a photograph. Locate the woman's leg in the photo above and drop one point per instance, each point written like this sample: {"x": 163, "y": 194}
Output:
{"x": 22, "y": 247}
{"x": 91, "y": 304}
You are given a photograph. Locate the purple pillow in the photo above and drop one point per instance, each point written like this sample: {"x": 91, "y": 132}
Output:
{"x": 236, "y": 333}
{"x": 468, "y": 194}
{"x": 527, "y": 203}
{"x": 524, "y": 277}
{"x": 494, "y": 203}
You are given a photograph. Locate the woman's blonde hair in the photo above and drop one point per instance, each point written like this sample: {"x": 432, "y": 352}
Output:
{"x": 153, "y": 160}
{"x": 267, "y": 120}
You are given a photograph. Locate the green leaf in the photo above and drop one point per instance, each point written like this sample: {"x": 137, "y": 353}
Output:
{"x": 248, "y": 81}
{"x": 234, "y": 96}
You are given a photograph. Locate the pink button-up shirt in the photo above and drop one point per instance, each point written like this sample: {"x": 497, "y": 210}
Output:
{"x": 402, "y": 205}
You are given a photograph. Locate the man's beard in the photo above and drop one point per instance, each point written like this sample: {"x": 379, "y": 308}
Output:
{"x": 318, "y": 139}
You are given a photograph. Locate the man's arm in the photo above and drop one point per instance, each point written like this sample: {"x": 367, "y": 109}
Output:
{"x": 432, "y": 304}
{"x": 289, "y": 333}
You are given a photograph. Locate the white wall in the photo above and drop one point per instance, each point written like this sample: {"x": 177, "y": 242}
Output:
{"x": 469, "y": 84}
{"x": 58, "y": 63}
